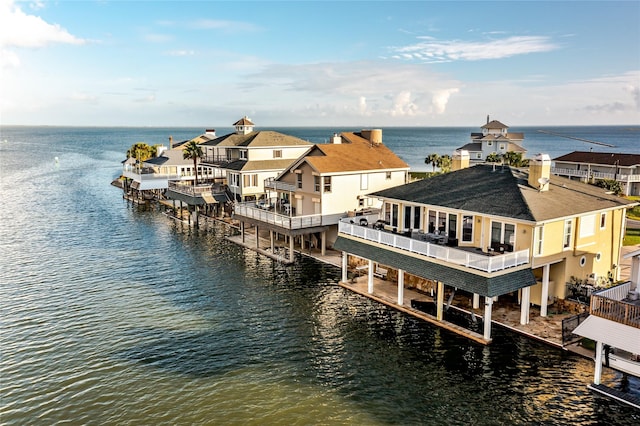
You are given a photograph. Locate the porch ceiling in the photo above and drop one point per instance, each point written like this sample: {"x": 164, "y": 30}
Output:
{"x": 484, "y": 286}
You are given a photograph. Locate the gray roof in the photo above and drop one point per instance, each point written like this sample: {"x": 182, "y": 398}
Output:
{"x": 467, "y": 281}
{"x": 504, "y": 191}
{"x": 263, "y": 138}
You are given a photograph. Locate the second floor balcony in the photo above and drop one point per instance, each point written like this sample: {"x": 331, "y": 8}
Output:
{"x": 589, "y": 174}
{"x": 271, "y": 215}
{"x": 485, "y": 262}
{"x": 618, "y": 304}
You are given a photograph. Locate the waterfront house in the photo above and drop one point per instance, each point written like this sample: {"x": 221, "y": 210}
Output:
{"x": 591, "y": 166}
{"x": 494, "y": 232}
{"x": 614, "y": 325}
{"x": 330, "y": 181}
{"x": 157, "y": 173}
{"x": 248, "y": 157}
{"x": 494, "y": 138}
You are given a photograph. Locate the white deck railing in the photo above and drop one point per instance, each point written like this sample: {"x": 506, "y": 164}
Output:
{"x": 596, "y": 175}
{"x": 250, "y": 210}
{"x": 447, "y": 254}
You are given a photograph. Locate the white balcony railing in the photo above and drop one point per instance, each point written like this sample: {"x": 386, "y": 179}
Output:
{"x": 250, "y": 210}
{"x": 460, "y": 257}
{"x": 187, "y": 189}
{"x": 596, "y": 175}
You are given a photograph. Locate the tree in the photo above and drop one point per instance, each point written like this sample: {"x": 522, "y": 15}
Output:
{"x": 193, "y": 151}
{"x": 142, "y": 151}
{"x": 494, "y": 157}
{"x": 432, "y": 159}
{"x": 610, "y": 185}
{"x": 512, "y": 158}
{"x": 444, "y": 163}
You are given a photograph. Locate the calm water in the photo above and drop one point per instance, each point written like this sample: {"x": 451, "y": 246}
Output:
{"x": 114, "y": 315}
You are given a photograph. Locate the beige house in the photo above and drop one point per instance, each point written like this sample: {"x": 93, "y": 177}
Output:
{"x": 591, "y": 166}
{"x": 329, "y": 182}
{"x": 496, "y": 232}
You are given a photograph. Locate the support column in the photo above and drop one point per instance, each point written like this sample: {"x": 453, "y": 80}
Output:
{"x": 598, "y": 368}
{"x": 291, "y": 252}
{"x": 488, "y": 302}
{"x": 345, "y": 262}
{"x": 400, "y": 287}
{"x": 271, "y": 241}
{"x": 440, "y": 301}
{"x": 525, "y": 303}
{"x": 370, "y": 277}
{"x": 323, "y": 244}
{"x": 476, "y": 301}
{"x": 544, "y": 296}
{"x": 257, "y": 237}
{"x": 242, "y": 231}
{"x": 635, "y": 272}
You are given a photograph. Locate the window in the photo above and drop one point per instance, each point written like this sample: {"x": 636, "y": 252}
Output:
{"x": 316, "y": 183}
{"x": 490, "y": 143}
{"x": 453, "y": 225}
{"x": 603, "y": 220}
{"x": 327, "y": 184}
{"x": 388, "y": 175}
{"x": 364, "y": 181}
{"x": 277, "y": 153}
{"x": 479, "y": 155}
{"x": 587, "y": 225}
{"x": 250, "y": 180}
{"x": 299, "y": 180}
{"x": 243, "y": 154}
{"x": 417, "y": 217}
{"x": 537, "y": 237}
{"x": 234, "y": 179}
{"x": 502, "y": 147}
{"x": 503, "y": 233}
{"x": 568, "y": 232}
{"x": 467, "y": 229}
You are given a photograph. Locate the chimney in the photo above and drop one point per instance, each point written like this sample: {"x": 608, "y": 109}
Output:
{"x": 540, "y": 172}
{"x": 372, "y": 135}
{"x": 336, "y": 139}
{"x": 460, "y": 159}
{"x": 487, "y": 118}
{"x": 170, "y": 142}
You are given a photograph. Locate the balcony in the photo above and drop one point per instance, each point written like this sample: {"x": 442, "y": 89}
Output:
{"x": 479, "y": 261}
{"x": 279, "y": 186}
{"x": 585, "y": 174}
{"x": 263, "y": 213}
{"x": 617, "y": 304}
{"x": 190, "y": 190}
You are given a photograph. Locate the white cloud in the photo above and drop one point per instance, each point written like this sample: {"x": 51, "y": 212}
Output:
{"x": 433, "y": 50}
{"x": 441, "y": 99}
{"x": 403, "y": 105}
{"x": 20, "y": 30}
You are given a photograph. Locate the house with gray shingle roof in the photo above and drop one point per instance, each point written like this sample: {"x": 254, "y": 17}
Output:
{"x": 591, "y": 166}
{"x": 494, "y": 138}
{"x": 496, "y": 232}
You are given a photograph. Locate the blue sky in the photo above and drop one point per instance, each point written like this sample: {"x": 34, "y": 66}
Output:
{"x": 319, "y": 63}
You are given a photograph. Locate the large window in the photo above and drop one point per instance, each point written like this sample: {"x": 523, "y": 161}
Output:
{"x": 327, "y": 184}
{"x": 537, "y": 238}
{"x": 503, "y": 233}
{"x": 250, "y": 180}
{"x": 453, "y": 226}
{"x": 391, "y": 213}
{"x": 412, "y": 217}
{"x": 467, "y": 229}
{"x": 316, "y": 183}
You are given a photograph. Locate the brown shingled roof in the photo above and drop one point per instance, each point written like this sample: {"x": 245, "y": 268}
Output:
{"x": 353, "y": 154}
{"x": 244, "y": 121}
{"x": 604, "y": 158}
{"x": 494, "y": 124}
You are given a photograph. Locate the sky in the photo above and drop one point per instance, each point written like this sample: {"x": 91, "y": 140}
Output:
{"x": 319, "y": 63}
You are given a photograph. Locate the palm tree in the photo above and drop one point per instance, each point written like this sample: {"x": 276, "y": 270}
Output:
{"x": 194, "y": 151}
{"x": 513, "y": 158}
{"x": 444, "y": 163}
{"x": 432, "y": 159}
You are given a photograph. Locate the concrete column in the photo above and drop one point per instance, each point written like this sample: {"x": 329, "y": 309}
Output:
{"x": 291, "y": 252}
{"x": 370, "y": 277}
{"x": 525, "y": 303}
{"x": 323, "y": 244}
{"x": 440, "y": 301}
{"x": 598, "y": 368}
{"x": 544, "y": 296}
{"x": 488, "y": 302}
{"x": 476, "y": 301}
{"x": 257, "y": 237}
{"x": 400, "y": 287}
{"x": 345, "y": 262}
{"x": 271, "y": 241}
{"x": 242, "y": 231}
